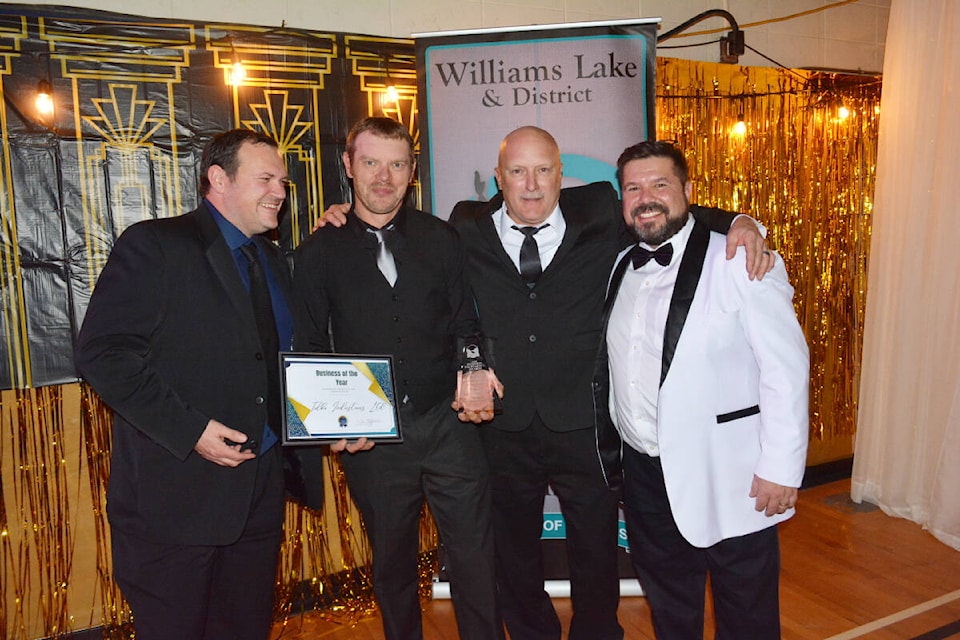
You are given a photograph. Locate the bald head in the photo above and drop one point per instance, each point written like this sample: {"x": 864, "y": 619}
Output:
{"x": 529, "y": 173}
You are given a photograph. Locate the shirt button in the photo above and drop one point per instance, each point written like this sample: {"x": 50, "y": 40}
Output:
{"x": 258, "y": 400}
{"x": 532, "y": 338}
{"x": 396, "y": 318}
{"x": 533, "y": 295}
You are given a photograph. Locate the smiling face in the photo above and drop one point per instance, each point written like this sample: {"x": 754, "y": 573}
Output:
{"x": 529, "y": 173}
{"x": 250, "y": 199}
{"x": 381, "y": 169}
{"x": 656, "y": 202}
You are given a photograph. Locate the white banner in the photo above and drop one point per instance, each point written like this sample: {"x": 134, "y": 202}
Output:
{"x": 591, "y": 85}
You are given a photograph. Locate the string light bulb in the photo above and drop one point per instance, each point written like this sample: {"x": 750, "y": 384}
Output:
{"x": 740, "y": 127}
{"x": 843, "y": 112}
{"x": 44, "y": 100}
{"x": 392, "y": 95}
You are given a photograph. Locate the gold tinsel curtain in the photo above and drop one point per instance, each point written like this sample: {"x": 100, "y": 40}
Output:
{"x": 804, "y": 165}
{"x": 806, "y": 172}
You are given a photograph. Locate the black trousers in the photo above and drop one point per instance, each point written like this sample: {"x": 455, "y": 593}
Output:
{"x": 744, "y": 571}
{"x": 522, "y": 464}
{"x": 440, "y": 458}
{"x": 197, "y": 592}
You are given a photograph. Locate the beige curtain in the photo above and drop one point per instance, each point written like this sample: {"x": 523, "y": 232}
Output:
{"x": 907, "y": 452}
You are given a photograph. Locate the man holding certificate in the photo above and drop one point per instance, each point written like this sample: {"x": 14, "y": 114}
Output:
{"x": 390, "y": 282}
{"x": 181, "y": 340}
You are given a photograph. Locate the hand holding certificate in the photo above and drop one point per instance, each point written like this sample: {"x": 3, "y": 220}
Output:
{"x": 337, "y": 397}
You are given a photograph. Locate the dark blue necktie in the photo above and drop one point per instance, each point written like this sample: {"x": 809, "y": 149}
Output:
{"x": 641, "y": 256}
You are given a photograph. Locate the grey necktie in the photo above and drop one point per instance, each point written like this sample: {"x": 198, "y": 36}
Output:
{"x": 385, "y": 261}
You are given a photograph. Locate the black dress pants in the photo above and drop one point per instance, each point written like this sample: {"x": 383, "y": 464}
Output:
{"x": 199, "y": 592}
{"x": 744, "y": 571}
{"x": 440, "y": 458}
{"x": 522, "y": 464}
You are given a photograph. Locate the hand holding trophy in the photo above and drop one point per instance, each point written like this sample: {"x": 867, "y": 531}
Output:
{"x": 477, "y": 384}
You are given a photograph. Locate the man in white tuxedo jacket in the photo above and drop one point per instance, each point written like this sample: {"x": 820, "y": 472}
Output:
{"x": 708, "y": 391}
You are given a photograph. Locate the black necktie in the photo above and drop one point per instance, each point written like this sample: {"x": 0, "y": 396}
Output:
{"x": 530, "y": 268}
{"x": 267, "y": 328}
{"x": 641, "y": 256}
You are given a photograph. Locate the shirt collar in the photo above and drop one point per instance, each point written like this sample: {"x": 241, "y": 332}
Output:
{"x": 398, "y": 223}
{"x": 678, "y": 240}
{"x": 234, "y": 237}
{"x": 504, "y": 222}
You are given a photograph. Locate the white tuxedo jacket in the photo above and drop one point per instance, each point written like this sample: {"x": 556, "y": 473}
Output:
{"x": 734, "y": 390}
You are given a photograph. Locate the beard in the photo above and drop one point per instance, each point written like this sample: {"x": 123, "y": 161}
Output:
{"x": 653, "y": 233}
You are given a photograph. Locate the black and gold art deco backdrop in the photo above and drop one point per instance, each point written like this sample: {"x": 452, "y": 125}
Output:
{"x": 136, "y": 99}
{"x": 135, "y": 102}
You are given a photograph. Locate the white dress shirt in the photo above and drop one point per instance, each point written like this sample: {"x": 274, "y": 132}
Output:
{"x": 548, "y": 239}
{"x": 635, "y": 344}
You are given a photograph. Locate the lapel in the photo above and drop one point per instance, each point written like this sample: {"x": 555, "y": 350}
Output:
{"x": 688, "y": 277}
{"x": 575, "y": 217}
{"x": 221, "y": 261}
{"x": 490, "y": 236}
{"x": 613, "y": 288}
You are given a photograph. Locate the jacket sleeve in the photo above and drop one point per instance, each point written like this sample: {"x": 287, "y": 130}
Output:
{"x": 311, "y": 306}
{"x": 115, "y": 341}
{"x": 715, "y": 219}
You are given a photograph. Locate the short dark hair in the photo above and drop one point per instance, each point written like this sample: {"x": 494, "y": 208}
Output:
{"x": 654, "y": 149}
{"x": 382, "y": 128}
{"x": 222, "y": 152}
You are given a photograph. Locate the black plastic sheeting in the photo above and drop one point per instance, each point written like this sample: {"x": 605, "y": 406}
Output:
{"x": 136, "y": 100}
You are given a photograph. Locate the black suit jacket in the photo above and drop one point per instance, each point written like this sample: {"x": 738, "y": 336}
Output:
{"x": 547, "y": 339}
{"x": 169, "y": 341}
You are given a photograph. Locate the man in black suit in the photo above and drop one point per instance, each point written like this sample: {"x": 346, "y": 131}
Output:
{"x": 540, "y": 302}
{"x": 391, "y": 281}
{"x": 171, "y": 342}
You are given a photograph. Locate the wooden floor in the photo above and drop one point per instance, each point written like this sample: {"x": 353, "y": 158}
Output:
{"x": 849, "y": 571}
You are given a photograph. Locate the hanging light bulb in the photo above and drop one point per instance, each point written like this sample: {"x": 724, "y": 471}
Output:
{"x": 392, "y": 95}
{"x": 740, "y": 128}
{"x": 238, "y": 73}
{"x": 44, "y": 100}
{"x": 843, "y": 112}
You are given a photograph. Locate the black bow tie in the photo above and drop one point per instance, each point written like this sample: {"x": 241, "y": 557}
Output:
{"x": 641, "y": 256}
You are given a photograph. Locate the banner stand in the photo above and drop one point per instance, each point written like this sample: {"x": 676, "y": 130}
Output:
{"x": 556, "y": 588}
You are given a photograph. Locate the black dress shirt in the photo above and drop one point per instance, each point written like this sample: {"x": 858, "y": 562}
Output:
{"x": 337, "y": 283}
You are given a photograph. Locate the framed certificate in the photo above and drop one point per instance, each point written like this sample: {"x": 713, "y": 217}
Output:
{"x": 329, "y": 397}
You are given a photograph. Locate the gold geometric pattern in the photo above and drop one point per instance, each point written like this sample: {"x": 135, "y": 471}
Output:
{"x": 124, "y": 122}
{"x": 278, "y": 118}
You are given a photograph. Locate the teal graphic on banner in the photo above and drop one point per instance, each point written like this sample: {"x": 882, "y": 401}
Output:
{"x": 554, "y": 527}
